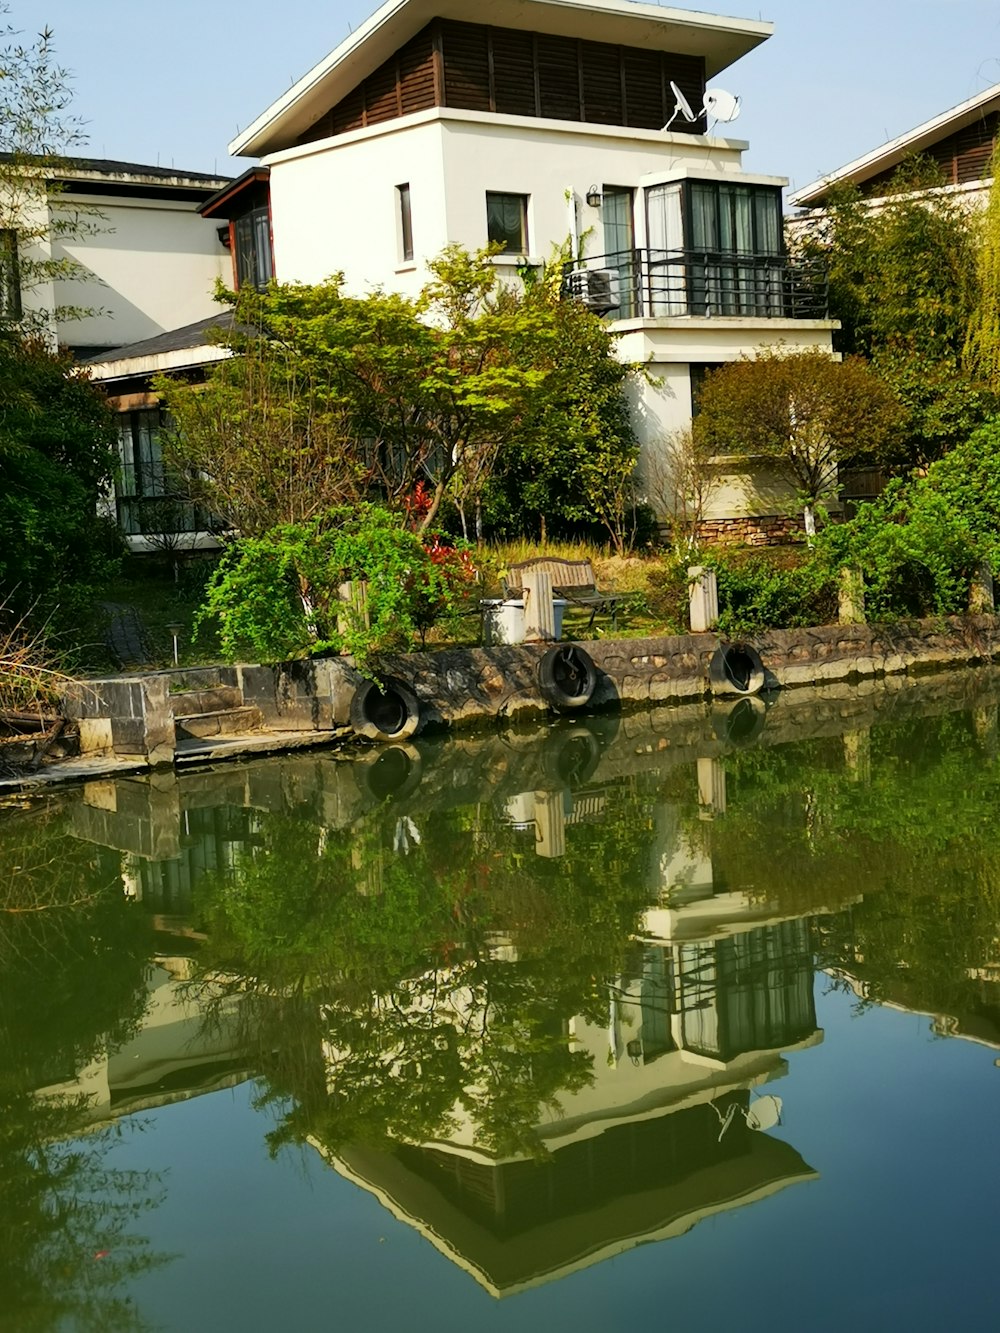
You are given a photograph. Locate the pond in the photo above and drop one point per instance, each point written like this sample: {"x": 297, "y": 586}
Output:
{"x": 683, "y": 1020}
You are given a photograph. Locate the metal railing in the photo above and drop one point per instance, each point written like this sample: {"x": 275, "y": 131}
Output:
{"x": 662, "y": 284}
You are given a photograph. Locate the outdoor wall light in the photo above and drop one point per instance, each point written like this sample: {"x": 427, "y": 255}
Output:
{"x": 595, "y": 197}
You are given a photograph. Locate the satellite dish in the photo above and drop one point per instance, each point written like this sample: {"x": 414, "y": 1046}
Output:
{"x": 682, "y": 107}
{"x": 764, "y": 1113}
{"x": 720, "y": 106}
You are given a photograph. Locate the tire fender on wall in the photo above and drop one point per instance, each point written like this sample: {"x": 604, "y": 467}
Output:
{"x": 736, "y": 668}
{"x": 385, "y": 710}
{"x": 567, "y": 678}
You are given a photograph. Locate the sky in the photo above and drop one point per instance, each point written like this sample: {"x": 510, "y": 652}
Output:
{"x": 170, "y": 83}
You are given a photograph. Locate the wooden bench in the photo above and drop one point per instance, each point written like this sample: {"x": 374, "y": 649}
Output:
{"x": 572, "y": 579}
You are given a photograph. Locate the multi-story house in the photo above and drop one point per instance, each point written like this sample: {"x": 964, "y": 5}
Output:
{"x": 591, "y": 121}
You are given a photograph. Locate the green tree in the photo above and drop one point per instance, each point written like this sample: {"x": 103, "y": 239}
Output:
{"x": 982, "y": 346}
{"x": 37, "y": 130}
{"x": 803, "y": 413}
{"x": 57, "y": 452}
{"x": 903, "y": 283}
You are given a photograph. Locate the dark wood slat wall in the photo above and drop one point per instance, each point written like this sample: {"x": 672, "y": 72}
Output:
{"x": 476, "y": 68}
{"x": 964, "y": 157}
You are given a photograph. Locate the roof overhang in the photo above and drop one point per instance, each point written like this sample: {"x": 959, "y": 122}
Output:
{"x": 720, "y": 40}
{"x": 227, "y": 200}
{"x": 891, "y": 154}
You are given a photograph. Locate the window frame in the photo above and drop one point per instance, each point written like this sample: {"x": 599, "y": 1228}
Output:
{"x": 404, "y": 222}
{"x": 520, "y": 201}
{"x": 253, "y": 261}
{"x": 11, "y": 306}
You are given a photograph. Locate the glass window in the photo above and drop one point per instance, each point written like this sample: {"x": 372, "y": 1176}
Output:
{"x": 405, "y": 223}
{"x": 507, "y": 222}
{"x": 10, "y": 277}
{"x": 253, "y": 249}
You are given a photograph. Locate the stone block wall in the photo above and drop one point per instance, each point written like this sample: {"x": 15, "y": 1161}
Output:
{"x": 129, "y": 716}
{"x": 772, "y": 530}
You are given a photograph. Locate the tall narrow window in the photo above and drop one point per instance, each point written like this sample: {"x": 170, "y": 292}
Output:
{"x": 405, "y": 224}
{"x": 253, "y": 249}
{"x": 507, "y": 222}
{"x": 10, "y": 277}
{"x": 618, "y": 219}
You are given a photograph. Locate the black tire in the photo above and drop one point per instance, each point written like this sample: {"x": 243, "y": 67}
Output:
{"x": 736, "y": 668}
{"x": 388, "y": 711}
{"x": 742, "y": 723}
{"x": 571, "y": 755}
{"x": 394, "y": 774}
{"x": 567, "y": 678}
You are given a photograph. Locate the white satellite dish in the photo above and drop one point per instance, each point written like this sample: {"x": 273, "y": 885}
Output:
{"x": 720, "y": 106}
{"x": 682, "y": 107}
{"x": 764, "y": 1113}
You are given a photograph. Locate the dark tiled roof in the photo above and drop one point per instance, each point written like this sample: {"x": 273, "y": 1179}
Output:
{"x": 177, "y": 340}
{"x": 65, "y": 166}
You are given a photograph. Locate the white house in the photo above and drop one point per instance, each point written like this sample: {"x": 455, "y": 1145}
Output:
{"x": 140, "y": 256}
{"x": 423, "y": 129}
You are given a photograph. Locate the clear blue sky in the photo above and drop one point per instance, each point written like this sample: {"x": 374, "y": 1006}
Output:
{"x": 172, "y": 81}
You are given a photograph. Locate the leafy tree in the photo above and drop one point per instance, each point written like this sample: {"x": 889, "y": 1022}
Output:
{"x": 982, "y": 346}
{"x": 57, "y": 452}
{"x": 801, "y": 412}
{"x": 37, "y": 130}
{"x": 903, "y": 284}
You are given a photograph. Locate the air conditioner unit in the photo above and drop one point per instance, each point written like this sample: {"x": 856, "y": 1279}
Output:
{"x": 598, "y": 288}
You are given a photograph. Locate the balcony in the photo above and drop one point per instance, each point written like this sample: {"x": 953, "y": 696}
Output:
{"x": 671, "y": 284}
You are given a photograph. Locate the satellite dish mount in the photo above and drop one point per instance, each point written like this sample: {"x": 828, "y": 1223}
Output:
{"x": 719, "y": 106}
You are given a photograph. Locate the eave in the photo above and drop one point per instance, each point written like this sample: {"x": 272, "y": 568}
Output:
{"x": 718, "y": 39}
{"x": 891, "y": 154}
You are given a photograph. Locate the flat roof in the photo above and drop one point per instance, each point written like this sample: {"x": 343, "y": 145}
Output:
{"x": 891, "y": 154}
{"x": 720, "y": 40}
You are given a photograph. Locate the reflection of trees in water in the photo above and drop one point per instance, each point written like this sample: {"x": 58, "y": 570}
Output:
{"x": 910, "y": 832}
{"x": 72, "y": 984}
{"x": 388, "y": 984}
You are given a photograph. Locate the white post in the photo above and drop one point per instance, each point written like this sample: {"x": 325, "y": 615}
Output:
{"x": 539, "y": 608}
{"x": 550, "y": 824}
{"x": 703, "y": 593}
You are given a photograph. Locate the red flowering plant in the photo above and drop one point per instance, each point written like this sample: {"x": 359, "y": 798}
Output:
{"x": 441, "y": 589}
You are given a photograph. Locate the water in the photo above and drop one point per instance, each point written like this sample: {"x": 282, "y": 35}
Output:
{"x": 494, "y": 1033}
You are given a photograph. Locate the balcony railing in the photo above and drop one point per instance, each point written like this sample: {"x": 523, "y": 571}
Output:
{"x": 664, "y": 284}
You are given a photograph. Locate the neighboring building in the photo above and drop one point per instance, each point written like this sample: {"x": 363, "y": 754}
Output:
{"x": 146, "y": 261}
{"x": 961, "y": 142}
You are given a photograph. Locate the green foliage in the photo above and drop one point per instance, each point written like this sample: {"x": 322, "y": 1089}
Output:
{"x": 982, "y": 346}
{"x": 776, "y": 590}
{"x": 803, "y": 412}
{"x": 57, "y": 451}
{"x": 941, "y": 406}
{"x": 278, "y": 596}
{"x": 916, "y": 551}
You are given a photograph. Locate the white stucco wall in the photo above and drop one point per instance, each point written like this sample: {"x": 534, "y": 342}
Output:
{"x": 152, "y": 263}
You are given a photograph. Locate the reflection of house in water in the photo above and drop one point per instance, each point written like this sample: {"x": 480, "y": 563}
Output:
{"x": 648, "y": 1149}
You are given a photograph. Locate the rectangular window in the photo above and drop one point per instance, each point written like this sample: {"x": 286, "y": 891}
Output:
{"x": 700, "y": 371}
{"x": 148, "y": 496}
{"x": 253, "y": 249}
{"x": 10, "y": 276}
{"x": 507, "y": 222}
{"x": 405, "y": 224}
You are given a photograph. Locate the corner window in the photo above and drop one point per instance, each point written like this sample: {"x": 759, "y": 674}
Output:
{"x": 404, "y": 218}
{"x": 253, "y": 249}
{"x": 507, "y": 222}
{"x": 10, "y": 276}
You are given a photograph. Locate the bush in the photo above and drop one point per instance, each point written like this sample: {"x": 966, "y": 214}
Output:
{"x": 278, "y": 596}
{"x": 779, "y": 589}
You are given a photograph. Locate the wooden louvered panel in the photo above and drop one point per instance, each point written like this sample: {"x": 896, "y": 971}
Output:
{"x": 382, "y": 95}
{"x": 559, "y": 78}
{"x": 602, "y": 84}
{"x": 644, "y": 105}
{"x": 973, "y": 165}
{"x": 513, "y": 72}
{"x": 466, "y": 66}
{"x": 416, "y": 74}
{"x": 349, "y": 115}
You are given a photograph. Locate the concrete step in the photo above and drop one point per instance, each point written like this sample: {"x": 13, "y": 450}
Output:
{"x": 221, "y": 722}
{"x": 214, "y": 699}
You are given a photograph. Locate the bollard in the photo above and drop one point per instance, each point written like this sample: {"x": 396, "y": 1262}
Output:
{"x": 851, "y": 596}
{"x": 982, "y": 599}
{"x": 539, "y": 607}
{"x": 703, "y": 595}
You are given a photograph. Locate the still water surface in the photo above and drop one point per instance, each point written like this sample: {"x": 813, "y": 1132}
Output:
{"x": 659, "y": 1022}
